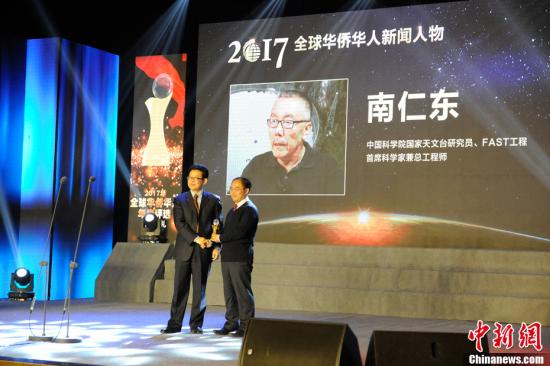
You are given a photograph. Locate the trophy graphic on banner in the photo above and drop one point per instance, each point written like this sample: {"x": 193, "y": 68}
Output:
{"x": 156, "y": 153}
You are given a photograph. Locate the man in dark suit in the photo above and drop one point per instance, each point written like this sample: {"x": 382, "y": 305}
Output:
{"x": 194, "y": 214}
{"x": 237, "y": 240}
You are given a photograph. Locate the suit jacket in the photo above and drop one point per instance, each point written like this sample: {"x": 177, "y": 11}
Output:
{"x": 185, "y": 219}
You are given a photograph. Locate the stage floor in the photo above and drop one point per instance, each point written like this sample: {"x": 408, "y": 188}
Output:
{"x": 129, "y": 334}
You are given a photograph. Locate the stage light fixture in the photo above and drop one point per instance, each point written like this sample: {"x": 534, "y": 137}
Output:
{"x": 153, "y": 229}
{"x": 150, "y": 222}
{"x": 21, "y": 285}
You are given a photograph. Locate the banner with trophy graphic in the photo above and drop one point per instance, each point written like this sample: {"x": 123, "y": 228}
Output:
{"x": 157, "y": 141}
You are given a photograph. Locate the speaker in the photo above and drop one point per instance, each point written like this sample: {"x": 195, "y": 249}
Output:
{"x": 288, "y": 342}
{"x": 388, "y": 348}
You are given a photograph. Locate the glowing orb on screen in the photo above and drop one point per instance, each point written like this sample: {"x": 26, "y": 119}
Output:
{"x": 363, "y": 217}
{"x": 361, "y": 227}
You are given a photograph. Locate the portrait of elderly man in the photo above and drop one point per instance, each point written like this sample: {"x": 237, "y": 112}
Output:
{"x": 293, "y": 166}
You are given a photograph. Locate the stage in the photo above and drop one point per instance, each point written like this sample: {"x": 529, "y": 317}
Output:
{"x": 129, "y": 334}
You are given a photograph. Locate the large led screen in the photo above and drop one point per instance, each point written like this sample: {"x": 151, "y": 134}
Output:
{"x": 412, "y": 126}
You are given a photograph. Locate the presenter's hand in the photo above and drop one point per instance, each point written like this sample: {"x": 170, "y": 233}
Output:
{"x": 202, "y": 242}
{"x": 215, "y": 238}
{"x": 215, "y": 254}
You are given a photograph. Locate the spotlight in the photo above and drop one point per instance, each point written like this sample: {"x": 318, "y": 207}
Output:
{"x": 21, "y": 285}
{"x": 153, "y": 229}
{"x": 150, "y": 222}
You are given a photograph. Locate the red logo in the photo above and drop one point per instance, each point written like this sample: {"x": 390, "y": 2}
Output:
{"x": 528, "y": 335}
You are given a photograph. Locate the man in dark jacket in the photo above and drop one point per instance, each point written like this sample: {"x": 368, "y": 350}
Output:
{"x": 237, "y": 240}
{"x": 194, "y": 214}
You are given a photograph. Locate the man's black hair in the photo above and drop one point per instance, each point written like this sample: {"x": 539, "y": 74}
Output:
{"x": 200, "y": 168}
{"x": 245, "y": 181}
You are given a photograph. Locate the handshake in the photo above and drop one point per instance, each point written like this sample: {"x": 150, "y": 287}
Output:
{"x": 214, "y": 238}
{"x": 207, "y": 243}
{"x": 203, "y": 242}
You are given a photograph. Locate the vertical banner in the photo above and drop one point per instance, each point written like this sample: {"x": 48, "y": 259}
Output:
{"x": 58, "y": 119}
{"x": 85, "y": 146}
{"x": 38, "y": 157}
{"x": 157, "y": 139}
{"x": 12, "y": 118}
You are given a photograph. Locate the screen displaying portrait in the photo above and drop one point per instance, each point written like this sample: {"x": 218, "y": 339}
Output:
{"x": 289, "y": 137}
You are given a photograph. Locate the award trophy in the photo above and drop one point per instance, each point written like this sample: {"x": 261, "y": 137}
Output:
{"x": 156, "y": 153}
{"x": 215, "y": 226}
{"x": 215, "y": 229}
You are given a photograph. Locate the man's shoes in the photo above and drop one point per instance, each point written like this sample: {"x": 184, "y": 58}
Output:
{"x": 222, "y": 331}
{"x": 196, "y": 330}
{"x": 238, "y": 333}
{"x": 169, "y": 330}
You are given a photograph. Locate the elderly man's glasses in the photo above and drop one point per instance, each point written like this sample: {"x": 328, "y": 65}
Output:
{"x": 287, "y": 123}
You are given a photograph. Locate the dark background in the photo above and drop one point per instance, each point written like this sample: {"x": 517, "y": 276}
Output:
{"x": 119, "y": 26}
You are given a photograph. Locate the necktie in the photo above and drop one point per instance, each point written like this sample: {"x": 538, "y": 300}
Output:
{"x": 196, "y": 202}
{"x": 235, "y": 207}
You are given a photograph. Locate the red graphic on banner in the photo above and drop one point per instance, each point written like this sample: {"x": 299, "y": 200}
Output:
{"x": 155, "y": 65}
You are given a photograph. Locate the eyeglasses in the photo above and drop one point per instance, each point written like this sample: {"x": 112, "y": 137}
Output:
{"x": 194, "y": 178}
{"x": 286, "y": 123}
